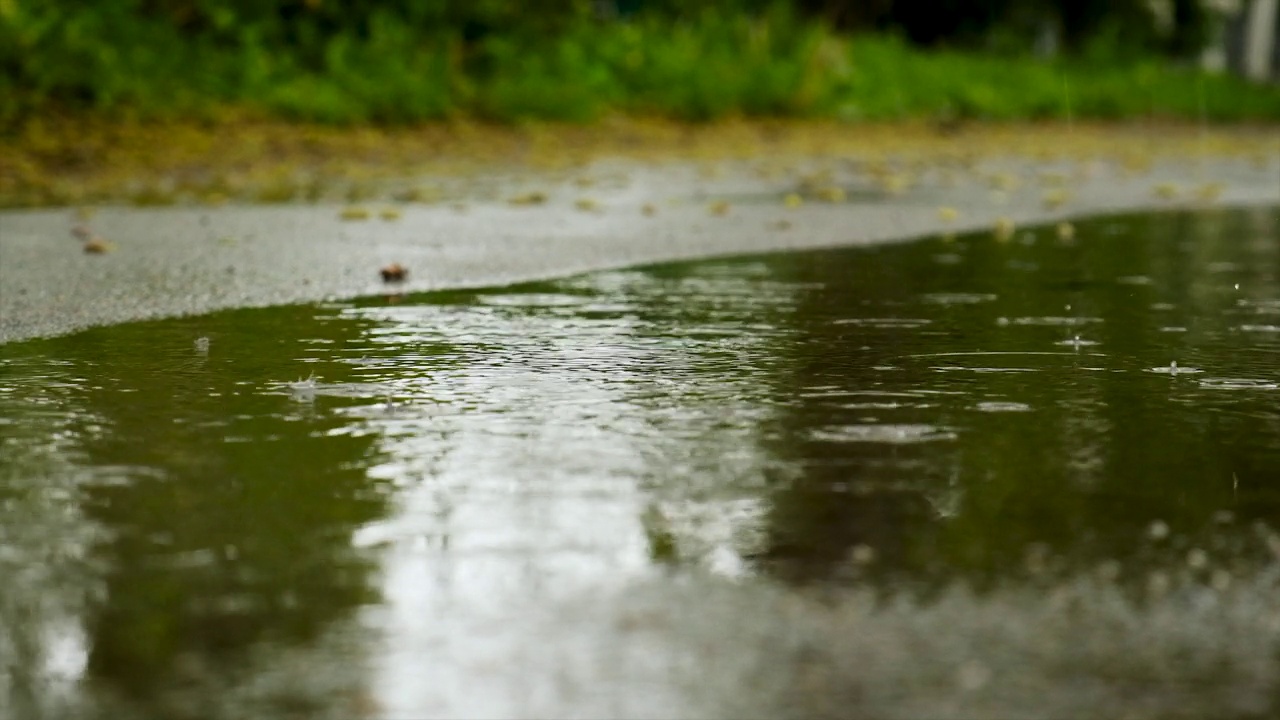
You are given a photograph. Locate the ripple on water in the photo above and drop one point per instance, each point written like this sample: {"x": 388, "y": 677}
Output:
{"x": 1261, "y": 306}
{"x": 1134, "y": 280}
{"x": 826, "y": 393}
{"x": 996, "y": 406}
{"x": 885, "y": 323}
{"x": 1056, "y": 321}
{"x": 1076, "y": 343}
{"x": 1174, "y": 369}
{"x": 958, "y": 298}
{"x": 310, "y": 387}
{"x": 1238, "y": 384}
{"x": 885, "y": 405}
{"x": 964, "y": 368}
{"x": 891, "y": 434}
{"x": 1003, "y": 361}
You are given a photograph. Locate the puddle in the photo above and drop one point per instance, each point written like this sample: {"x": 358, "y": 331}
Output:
{"x": 691, "y": 490}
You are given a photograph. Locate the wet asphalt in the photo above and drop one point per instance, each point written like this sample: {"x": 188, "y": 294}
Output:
{"x": 193, "y": 259}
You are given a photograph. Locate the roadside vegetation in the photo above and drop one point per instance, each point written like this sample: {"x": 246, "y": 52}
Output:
{"x": 162, "y": 101}
{"x": 561, "y": 60}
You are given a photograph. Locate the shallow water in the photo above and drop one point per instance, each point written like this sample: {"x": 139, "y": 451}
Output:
{"x": 398, "y": 506}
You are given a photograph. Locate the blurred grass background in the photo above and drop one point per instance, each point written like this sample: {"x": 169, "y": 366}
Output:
{"x": 401, "y": 61}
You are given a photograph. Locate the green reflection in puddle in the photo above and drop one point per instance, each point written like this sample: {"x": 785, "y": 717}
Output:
{"x": 185, "y": 493}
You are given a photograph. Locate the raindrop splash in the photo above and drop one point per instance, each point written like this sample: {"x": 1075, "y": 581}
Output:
{"x": 1076, "y": 343}
{"x": 1173, "y": 370}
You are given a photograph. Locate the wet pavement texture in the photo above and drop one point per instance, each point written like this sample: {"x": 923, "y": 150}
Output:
{"x": 502, "y": 229}
{"x": 1021, "y": 474}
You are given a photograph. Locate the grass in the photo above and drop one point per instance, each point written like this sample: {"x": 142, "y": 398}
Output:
{"x": 891, "y": 80}
{"x": 703, "y": 67}
{"x": 242, "y": 112}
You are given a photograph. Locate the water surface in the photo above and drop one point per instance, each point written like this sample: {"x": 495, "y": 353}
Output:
{"x": 377, "y": 508}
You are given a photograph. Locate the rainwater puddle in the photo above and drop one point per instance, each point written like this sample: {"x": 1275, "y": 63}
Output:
{"x": 614, "y": 494}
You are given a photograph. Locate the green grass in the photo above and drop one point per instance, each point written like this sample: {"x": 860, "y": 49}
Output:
{"x": 702, "y": 67}
{"x": 892, "y": 80}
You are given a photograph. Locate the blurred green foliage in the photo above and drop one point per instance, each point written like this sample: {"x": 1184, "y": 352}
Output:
{"x": 401, "y": 61}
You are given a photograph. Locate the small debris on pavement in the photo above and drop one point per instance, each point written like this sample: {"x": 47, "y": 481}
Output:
{"x": 96, "y": 246}
{"x": 395, "y": 272}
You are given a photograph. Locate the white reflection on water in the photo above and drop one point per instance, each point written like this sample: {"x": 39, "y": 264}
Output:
{"x": 45, "y": 556}
{"x": 522, "y": 478}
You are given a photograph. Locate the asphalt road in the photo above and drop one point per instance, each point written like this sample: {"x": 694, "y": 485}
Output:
{"x": 187, "y": 260}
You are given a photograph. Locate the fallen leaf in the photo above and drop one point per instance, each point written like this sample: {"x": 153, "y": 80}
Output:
{"x": 395, "y": 272}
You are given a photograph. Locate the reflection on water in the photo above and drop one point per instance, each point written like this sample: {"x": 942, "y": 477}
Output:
{"x": 383, "y": 508}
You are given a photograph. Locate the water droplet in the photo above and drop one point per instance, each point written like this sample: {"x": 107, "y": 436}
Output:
{"x": 304, "y": 390}
{"x": 1197, "y": 559}
{"x": 862, "y": 554}
{"x": 1158, "y": 584}
{"x": 1221, "y": 580}
{"x": 1158, "y": 530}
